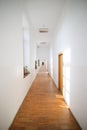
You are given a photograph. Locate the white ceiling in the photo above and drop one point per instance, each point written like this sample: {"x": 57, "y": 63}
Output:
{"x": 44, "y": 13}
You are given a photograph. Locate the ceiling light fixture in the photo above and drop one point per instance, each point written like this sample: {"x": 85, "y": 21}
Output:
{"x": 43, "y": 30}
{"x": 43, "y": 43}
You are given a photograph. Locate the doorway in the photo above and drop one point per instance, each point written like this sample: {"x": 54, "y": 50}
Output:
{"x": 60, "y": 72}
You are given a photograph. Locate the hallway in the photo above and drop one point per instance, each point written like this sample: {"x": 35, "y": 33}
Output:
{"x": 44, "y": 108}
{"x": 33, "y": 32}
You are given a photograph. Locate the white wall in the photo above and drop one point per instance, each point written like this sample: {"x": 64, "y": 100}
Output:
{"x": 71, "y": 39}
{"x": 50, "y": 61}
{"x": 26, "y": 41}
{"x": 13, "y": 87}
{"x": 42, "y": 52}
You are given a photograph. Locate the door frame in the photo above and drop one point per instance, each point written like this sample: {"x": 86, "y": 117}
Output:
{"x": 59, "y": 70}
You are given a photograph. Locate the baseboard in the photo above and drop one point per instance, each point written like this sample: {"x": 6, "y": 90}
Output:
{"x": 10, "y": 127}
{"x": 75, "y": 119}
{"x": 66, "y": 103}
{"x": 53, "y": 81}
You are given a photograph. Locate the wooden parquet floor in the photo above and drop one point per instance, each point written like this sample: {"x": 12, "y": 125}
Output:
{"x": 44, "y": 108}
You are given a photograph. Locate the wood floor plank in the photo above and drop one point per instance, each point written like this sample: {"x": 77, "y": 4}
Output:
{"x": 44, "y": 108}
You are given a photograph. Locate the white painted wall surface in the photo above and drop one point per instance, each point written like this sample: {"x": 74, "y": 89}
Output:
{"x": 50, "y": 61}
{"x": 42, "y": 52}
{"x": 26, "y": 41}
{"x": 13, "y": 87}
{"x": 71, "y": 38}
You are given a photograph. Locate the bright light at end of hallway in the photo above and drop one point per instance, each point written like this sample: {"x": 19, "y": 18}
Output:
{"x": 66, "y": 75}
